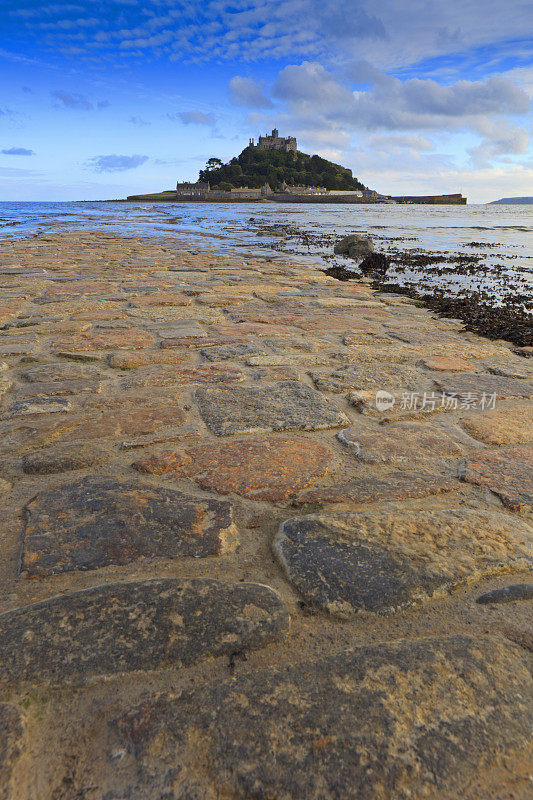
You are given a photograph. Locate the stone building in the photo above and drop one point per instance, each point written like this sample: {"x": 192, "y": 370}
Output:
{"x": 276, "y": 142}
{"x": 195, "y": 190}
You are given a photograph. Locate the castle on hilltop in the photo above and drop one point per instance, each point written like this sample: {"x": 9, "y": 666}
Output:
{"x": 276, "y": 142}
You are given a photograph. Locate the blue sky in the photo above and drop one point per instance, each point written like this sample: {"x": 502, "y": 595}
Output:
{"x": 103, "y": 98}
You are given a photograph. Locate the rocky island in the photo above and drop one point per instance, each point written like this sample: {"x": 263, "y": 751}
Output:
{"x": 264, "y": 534}
{"x": 275, "y": 170}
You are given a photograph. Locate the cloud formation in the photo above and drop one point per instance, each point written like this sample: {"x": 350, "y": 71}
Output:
{"x": 193, "y": 118}
{"x": 17, "y": 151}
{"x": 68, "y": 100}
{"x": 249, "y": 93}
{"x": 115, "y": 163}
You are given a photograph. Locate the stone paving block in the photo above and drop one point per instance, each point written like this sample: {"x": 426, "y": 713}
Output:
{"x": 473, "y": 386}
{"x": 168, "y": 375}
{"x": 12, "y": 730}
{"x": 371, "y": 376}
{"x": 99, "y": 521}
{"x": 136, "y": 625}
{"x": 399, "y": 442}
{"x": 182, "y": 329}
{"x": 38, "y": 405}
{"x": 509, "y": 368}
{"x": 383, "y": 560}
{"x": 449, "y": 364}
{"x": 133, "y": 360}
{"x": 502, "y": 425}
{"x": 392, "y": 721}
{"x": 55, "y": 388}
{"x": 267, "y": 468}
{"x": 129, "y": 338}
{"x": 278, "y": 407}
{"x": 394, "y": 486}
{"x": 161, "y": 298}
{"x": 251, "y": 329}
{"x": 44, "y": 373}
{"x": 65, "y": 457}
{"x": 19, "y": 346}
{"x": 506, "y": 471}
{"x": 223, "y": 352}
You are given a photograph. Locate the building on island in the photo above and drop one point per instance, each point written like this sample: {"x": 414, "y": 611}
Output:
{"x": 274, "y": 141}
{"x": 195, "y": 191}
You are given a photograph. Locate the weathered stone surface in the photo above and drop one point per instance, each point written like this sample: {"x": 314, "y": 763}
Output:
{"x": 136, "y": 625}
{"x": 12, "y": 727}
{"x": 448, "y": 364}
{"x": 100, "y": 521}
{"x": 252, "y": 329}
{"x": 223, "y": 352}
{"x": 502, "y": 425}
{"x": 5, "y": 385}
{"x": 168, "y": 375}
{"x": 506, "y": 471}
{"x": 473, "y": 386}
{"x": 371, "y": 376}
{"x": 65, "y": 457}
{"x": 278, "y": 407}
{"x": 75, "y": 291}
{"x": 385, "y": 560}
{"x": 19, "y": 346}
{"x": 394, "y": 486}
{"x": 399, "y": 442}
{"x": 181, "y": 329}
{"x": 129, "y": 338}
{"x": 262, "y": 469}
{"x": 518, "y": 368}
{"x": 3, "y": 366}
{"x": 134, "y": 360}
{"x": 160, "y": 299}
{"x": 507, "y": 594}
{"x": 55, "y": 388}
{"x": 393, "y": 721}
{"x": 46, "y": 373}
{"x": 38, "y": 405}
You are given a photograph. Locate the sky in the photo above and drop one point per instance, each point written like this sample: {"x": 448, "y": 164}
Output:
{"x": 104, "y": 98}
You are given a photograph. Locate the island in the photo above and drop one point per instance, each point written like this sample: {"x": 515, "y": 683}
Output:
{"x": 274, "y": 170}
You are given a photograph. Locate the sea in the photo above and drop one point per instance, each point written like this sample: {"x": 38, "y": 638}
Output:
{"x": 486, "y": 249}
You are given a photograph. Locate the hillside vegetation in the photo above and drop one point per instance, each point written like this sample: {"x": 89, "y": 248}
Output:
{"x": 255, "y": 167}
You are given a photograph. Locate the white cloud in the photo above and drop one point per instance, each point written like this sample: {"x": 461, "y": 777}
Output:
{"x": 249, "y": 93}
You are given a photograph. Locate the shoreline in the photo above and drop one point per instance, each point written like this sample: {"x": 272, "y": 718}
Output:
{"x": 170, "y": 413}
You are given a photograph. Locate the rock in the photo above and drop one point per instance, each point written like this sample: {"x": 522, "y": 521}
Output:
{"x": 374, "y": 265}
{"x": 245, "y": 329}
{"x": 354, "y": 245}
{"x": 38, "y": 405}
{"x": 136, "y": 625}
{"x": 65, "y": 457}
{"x": 19, "y": 346}
{"x": 385, "y": 560}
{"x": 521, "y": 634}
{"x": 12, "y": 729}
{"x": 181, "y": 329}
{"x": 399, "y": 442}
{"x": 46, "y": 373}
{"x": 506, "y": 471}
{"x": 100, "y": 521}
{"x": 473, "y": 388}
{"x": 394, "y": 486}
{"x": 340, "y": 273}
{"x": 371, "y": 376}
{"x": 507, "y": 594}
{"x": 263, "y": 469}
{"x": 392, "y": 721}
{"x": 510, "y": 369}
{"x": 5, "y": 385}
{"x": 3, "y": 366}
{"x": 277, "y": 407}
{"x": 502, "y": 425}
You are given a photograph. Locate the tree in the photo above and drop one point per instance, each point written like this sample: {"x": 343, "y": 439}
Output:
{"x": 213, "y": 163}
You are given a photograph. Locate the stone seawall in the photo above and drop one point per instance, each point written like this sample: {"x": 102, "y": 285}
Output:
{"x": 246, "y": 514}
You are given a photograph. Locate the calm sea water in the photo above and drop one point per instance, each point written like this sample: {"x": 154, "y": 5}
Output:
{"x": 487, "y": 247}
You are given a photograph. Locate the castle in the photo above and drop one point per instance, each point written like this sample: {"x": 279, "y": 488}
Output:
{"x": 276, "y": 142}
